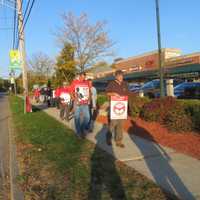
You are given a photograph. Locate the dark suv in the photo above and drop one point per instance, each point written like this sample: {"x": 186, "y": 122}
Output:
{"x": 152, "y": 88}
{"x": 187, "y": 90}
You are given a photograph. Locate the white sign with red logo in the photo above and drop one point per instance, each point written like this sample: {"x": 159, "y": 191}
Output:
{"x": 83, "y": 93}
{"x": 65, "y": 97}
{"x": 119, "y": 107}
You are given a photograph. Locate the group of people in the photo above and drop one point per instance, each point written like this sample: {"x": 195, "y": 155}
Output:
{"x": 43, "y": 95}
{"x": 80, "y": 98}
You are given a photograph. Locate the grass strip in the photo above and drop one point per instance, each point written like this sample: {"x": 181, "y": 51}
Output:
{"x": 55, "y": 165}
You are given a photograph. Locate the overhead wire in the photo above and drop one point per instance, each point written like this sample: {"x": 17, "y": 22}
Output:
{"x": 14, "y": 31}
{"x": 25, "y": 18}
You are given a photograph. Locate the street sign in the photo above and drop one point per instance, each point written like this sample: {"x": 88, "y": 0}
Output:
{"x": 15, "y": 59}
{"x": 12, "y": 80}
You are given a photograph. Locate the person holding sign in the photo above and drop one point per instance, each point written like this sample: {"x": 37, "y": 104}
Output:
{"x": 65, "y": 100}
{"x": 117, "y": 90}
{"x": 81, "y": 93}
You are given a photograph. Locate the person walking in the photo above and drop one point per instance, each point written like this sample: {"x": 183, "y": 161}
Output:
{"x": 92, "y": 106}
{"x": 65, "y": 100}
{"x": 117, "y": 89}
{"x": 37, "y": 95}
{"x": 49, "y": 96}
{"x": 81, "y": 94}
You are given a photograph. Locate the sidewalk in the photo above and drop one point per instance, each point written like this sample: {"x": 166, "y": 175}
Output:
{"x": 175, "y": 172}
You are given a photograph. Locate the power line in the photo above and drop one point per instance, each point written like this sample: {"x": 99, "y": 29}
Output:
{"x": 27, "y": 8}
{"x": 14, "y": 31}
{"x": 26, "y": 20}
{"x": 28, "y": 16}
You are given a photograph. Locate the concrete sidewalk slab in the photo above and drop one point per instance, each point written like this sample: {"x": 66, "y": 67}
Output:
{"x": 175, "y": 172}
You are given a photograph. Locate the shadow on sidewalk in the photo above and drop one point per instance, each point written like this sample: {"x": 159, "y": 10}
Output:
{"x": 105, "y": 181}
{"x": 159, "y": 164}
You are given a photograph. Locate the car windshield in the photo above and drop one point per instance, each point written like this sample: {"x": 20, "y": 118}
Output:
{"x": 151, "y": 84}
{"x": 186, "y": 85}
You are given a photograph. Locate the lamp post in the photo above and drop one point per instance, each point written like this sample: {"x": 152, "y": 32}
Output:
{"x": 159, "y": 50}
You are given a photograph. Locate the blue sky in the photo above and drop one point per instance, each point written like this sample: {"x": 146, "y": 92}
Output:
{"x": 131, "y": 24}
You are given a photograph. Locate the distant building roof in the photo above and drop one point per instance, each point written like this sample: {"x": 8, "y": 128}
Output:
{"x": 150, "y": 53}
{"x": 99, "y": 69}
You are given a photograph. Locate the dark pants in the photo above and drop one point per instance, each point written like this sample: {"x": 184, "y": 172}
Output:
{"x": 93, "y": 116}
{"x": 64, "y": 111}
{"x": 57, "y": 102}
{"x": 116, "y": 128}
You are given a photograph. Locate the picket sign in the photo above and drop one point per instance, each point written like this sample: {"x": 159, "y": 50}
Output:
{"x": 119, "y": 107}
{"x": 66, "y": 97}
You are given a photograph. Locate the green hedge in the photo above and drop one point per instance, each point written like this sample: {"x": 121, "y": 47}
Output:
{"x": 101, "y": 99}
{"x": 176, "y": 115}
{"x": 136, "y": 105}
{"x": 192, "y": 108}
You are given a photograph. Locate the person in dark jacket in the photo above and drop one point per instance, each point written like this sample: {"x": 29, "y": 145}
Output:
{"x": 117, "y": 88}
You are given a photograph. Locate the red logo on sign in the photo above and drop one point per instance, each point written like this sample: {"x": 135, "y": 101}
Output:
{"x": 119, "y": 108}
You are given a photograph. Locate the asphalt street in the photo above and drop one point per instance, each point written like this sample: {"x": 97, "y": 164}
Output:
{"x": 4, "y": 145}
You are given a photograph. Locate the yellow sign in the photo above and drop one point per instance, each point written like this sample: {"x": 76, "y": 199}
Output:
{"x": 15, "y": 59}
{"x": 14, "y": 55}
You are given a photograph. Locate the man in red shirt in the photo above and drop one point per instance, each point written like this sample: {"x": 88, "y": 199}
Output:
{"x": 81, "y": 93}
{"x": 37, "y": 94}
{"x": 65, "y": 101}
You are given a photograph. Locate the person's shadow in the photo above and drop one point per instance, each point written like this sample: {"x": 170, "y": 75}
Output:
{"x": 158, "y": 163}
{"x": 105, "y": 181}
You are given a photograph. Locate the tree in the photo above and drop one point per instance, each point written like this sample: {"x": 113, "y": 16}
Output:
{"x": 65, "y": 64}
{"x": 41, "y": 65}
{"x": 90, "y": 42}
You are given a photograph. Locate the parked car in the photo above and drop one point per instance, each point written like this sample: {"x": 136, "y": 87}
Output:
{"x": 134, "y": 87}
{"x": 152, "y": 88}
{"x": 187, "y": 90}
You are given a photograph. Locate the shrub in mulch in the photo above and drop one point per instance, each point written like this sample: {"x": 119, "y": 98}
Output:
{"x": 169, "y": 112}
{"x": 192, "y": 108}
{"x": 177, "y": 120}
{"x": 101, "y": 99}
{"x": 136, "y": 104}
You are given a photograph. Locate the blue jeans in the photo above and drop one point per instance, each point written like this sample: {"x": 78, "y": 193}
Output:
{"x": 82, "y": 118}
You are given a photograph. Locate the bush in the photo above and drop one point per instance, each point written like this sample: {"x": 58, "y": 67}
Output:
{"x": 101, "y": 99}
{"x": 136, "y": 104}
{"x": 157, "y": 109}
{"x": 177, "y": 120}
{"x": 192, "y": 108}
{"x": 169, "y": 112}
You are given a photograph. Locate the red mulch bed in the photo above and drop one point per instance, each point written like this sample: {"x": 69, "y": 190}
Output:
{"x": 187, "y": 143}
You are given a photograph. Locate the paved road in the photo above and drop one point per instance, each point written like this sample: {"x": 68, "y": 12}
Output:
{"x": 4, "y": 141}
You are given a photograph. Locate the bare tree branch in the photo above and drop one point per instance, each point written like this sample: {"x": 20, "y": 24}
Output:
{"x": 41, "y": 64}
{"x": 90, "y": 42}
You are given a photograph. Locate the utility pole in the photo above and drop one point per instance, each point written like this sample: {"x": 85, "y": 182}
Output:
{"x": 22, "y": 51}
{"x": 159, "y": 50}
